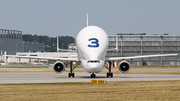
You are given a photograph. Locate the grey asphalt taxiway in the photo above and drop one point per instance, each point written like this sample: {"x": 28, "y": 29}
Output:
{"x": 52, "y": 77}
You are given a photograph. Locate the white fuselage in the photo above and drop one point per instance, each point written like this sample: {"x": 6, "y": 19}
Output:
{"x": 92, "y": 43}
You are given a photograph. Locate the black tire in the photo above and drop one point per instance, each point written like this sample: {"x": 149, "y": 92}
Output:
{"x": 107, "y": 74}
{"x": 72, "y": 74}
{"x": 93, "y": 75}
{"x": 111, "y": 74}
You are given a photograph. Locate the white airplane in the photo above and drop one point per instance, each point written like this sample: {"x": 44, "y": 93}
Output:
{"x": 92, "y": 43}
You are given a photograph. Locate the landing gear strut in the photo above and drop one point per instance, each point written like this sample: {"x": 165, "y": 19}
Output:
{"x": 109, "y": 73}
{"x": 71, "y": 74}
{"x": 93, "y": 75}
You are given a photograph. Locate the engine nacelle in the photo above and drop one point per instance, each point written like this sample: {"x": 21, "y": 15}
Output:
{"x": 58, "y": 67}
{"x": 124, "y": 66}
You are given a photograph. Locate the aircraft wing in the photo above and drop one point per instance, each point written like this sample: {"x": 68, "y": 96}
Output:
{"x": 44, "y": 58}
{"x": 137, "y": 57}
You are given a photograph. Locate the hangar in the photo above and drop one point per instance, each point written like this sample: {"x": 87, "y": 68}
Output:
{"x": 11, "y": 41}
{"x": 133, "y": 45}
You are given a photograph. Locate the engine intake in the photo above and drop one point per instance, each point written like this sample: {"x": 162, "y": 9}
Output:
{"x": 124, "y": 67}
{"x": 58, "y": 67}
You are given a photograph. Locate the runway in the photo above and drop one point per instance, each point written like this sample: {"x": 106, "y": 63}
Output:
{"x": 52, "y": 77}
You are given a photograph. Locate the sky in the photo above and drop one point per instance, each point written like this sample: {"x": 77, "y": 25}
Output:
{"x": 67, "y": 17}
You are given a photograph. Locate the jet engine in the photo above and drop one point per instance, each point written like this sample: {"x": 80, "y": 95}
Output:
{"x": 58, "y": 67}
{"x": 124, "y": 66}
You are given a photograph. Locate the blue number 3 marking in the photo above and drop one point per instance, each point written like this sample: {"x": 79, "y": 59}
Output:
{"x": 94, "y": 42}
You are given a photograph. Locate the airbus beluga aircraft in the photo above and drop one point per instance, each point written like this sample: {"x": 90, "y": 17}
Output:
{"x": 92, "y": 43}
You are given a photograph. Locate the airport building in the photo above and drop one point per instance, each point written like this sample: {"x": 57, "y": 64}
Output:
{"x": 11, "y": 41}
{"x": 133, "y": 45}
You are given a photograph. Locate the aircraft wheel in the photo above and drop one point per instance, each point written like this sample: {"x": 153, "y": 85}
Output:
{"x": 93, "y": 75}
{"x": 72, "y": 74}
{"x": 107, "y": 74}
{"x": 111, "y": 74}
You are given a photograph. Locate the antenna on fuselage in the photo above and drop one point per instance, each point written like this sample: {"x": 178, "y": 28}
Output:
{"x": 87, "y": 19}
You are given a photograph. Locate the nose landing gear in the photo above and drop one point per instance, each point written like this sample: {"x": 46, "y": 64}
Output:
{"x": 93, "y": 75}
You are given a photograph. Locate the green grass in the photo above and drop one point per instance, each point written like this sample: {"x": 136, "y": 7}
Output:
{"x": 112, "y": 91}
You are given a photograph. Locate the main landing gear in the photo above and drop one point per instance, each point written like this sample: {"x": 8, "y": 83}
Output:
{"x": 109, "y": 74}
{"x": 71, "y": 74}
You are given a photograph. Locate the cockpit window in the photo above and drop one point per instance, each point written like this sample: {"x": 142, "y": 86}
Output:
{"x": 93, "y": 61}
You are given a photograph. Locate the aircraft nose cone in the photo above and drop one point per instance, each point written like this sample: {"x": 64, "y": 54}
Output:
{"x": 94, "y": 68}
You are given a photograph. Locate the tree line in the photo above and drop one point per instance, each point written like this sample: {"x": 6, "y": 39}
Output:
{"x": 49, "y": 42}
